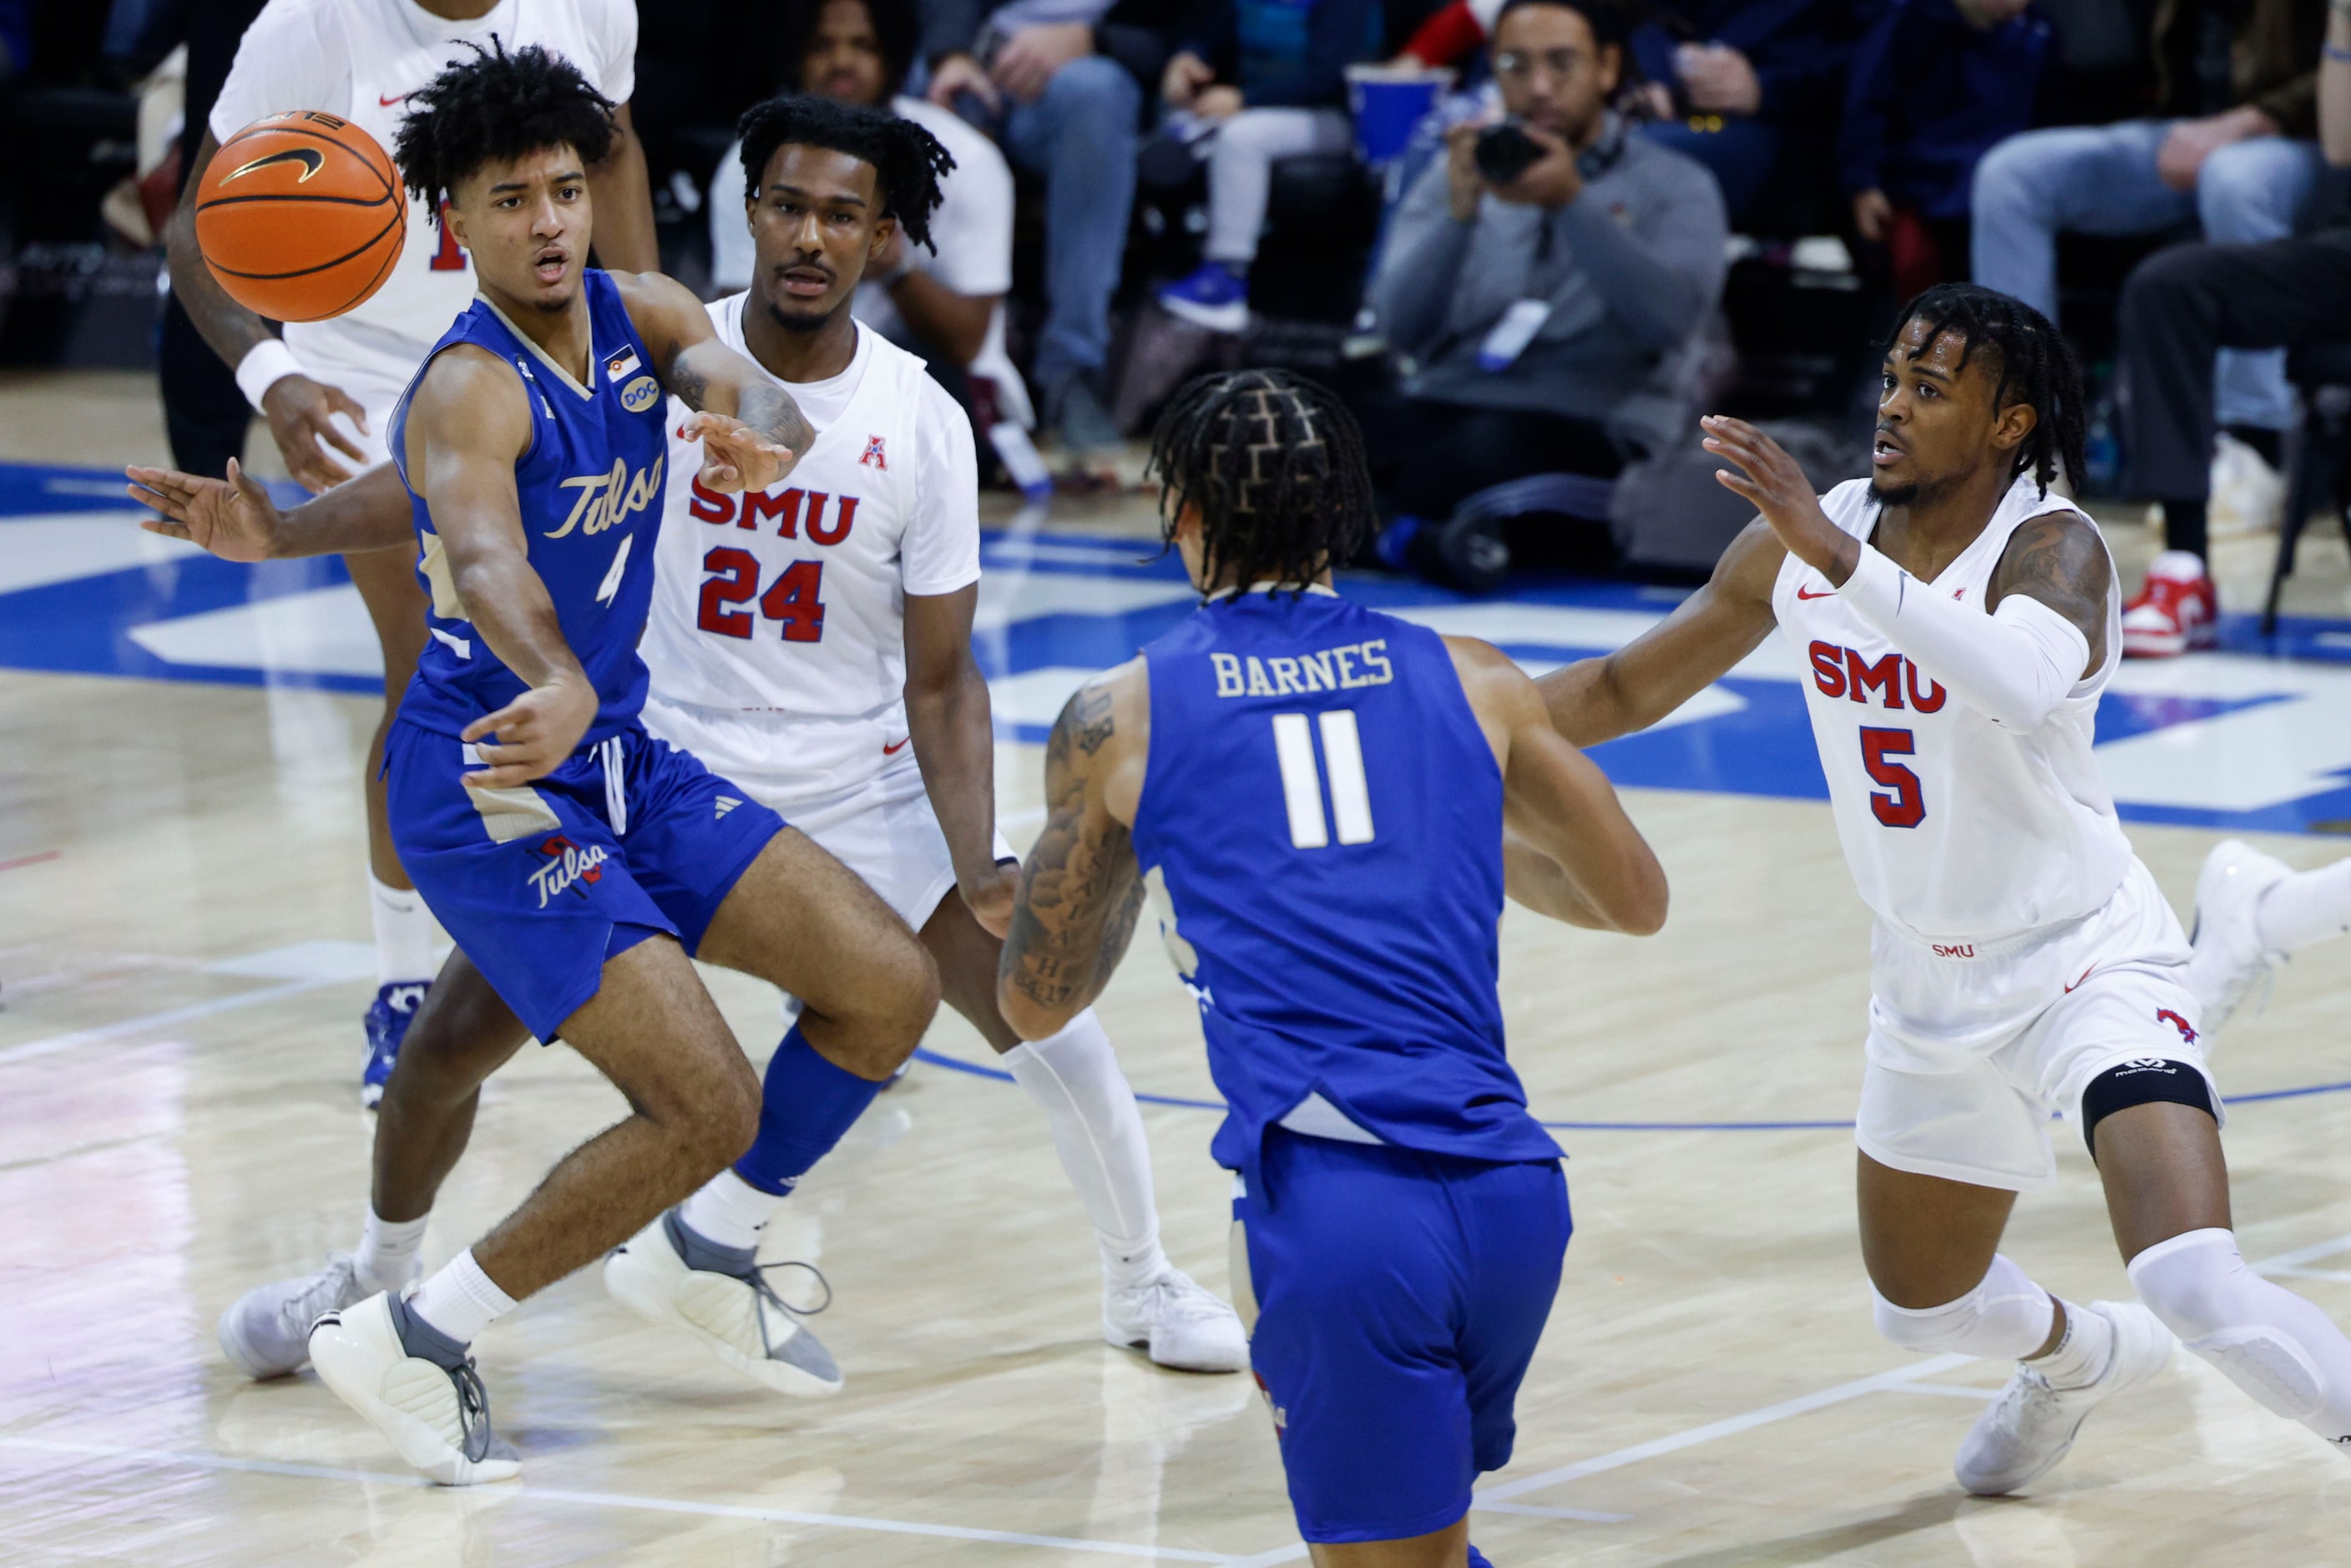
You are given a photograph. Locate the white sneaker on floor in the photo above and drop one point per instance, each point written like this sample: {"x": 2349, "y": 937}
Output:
{"x": 1176, "y": 1322}
{"x": 266, "y": 1331}
{"x": 739, "y": 1317}
{"x": 437, "y": 1416}
{"x": 2031, "y": 1425}
{"x": 2248, "y": 495}
{"x": 2229, "y": 959}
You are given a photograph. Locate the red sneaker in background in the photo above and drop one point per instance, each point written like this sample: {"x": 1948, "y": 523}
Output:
{"x": 2177, "y": 611}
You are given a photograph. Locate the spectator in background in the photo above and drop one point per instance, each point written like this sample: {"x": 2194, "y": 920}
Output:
{"x": 1733, "y": 82}
{"x": 1270, "y": 77}
{"x": 2237, "y": 82}
{"x": 1934, "y": 84}
{"x": 947, "y": 308}
{"x": 1035, "y": 71}
{"x": 1536, "y": 307}
{"x": 2181, "y": 306}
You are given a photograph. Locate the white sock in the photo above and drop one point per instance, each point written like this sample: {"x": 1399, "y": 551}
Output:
{"x": 729, "y": 1210}
{"x": 2306, "y": 907}
{"x": 1074, "y": 1079}
{"x": 2266, "y": 1340}
{"x": 387, "y": 1250}
{"x": 461, "y": 1300}
{"x": 403, "y": 934}
{"x": 2080, "y": 1356}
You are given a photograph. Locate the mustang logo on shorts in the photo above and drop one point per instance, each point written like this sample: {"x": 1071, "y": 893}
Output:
{"x": 2164, "y": 1015}
{"x": 568, "y": 867}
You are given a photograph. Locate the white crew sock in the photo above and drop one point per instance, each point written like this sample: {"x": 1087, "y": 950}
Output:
{"x": 387, "y": 1250}
{"x": 461, "y": 1300}
{"x": 729, "y": 1211}
{"x": 403, "y": 934}
{"x": 1074, "y": 1079}
{"x": 2306, "y": 907}
{"x": 2277, "y": 1347}
{"x": 2080, "y": 1356}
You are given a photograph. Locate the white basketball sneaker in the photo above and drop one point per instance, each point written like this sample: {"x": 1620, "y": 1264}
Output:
{"x": 2031, "y": 1425}
{"x": 722, "y": 1298}
{"x": 267, "y": 1333}
{"x": 2229, "y": 959}
{"x": 1176, "y": 1322}
{"x": 435, "y": 1413}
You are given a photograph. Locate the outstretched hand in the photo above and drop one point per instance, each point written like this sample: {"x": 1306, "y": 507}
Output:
{"x": 1778, "y": 488}
{"x": 734, "y": 456}
{"x": 234, "y": 520}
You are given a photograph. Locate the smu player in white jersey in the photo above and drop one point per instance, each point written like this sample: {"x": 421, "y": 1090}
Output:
{"x": 814, "y": 643}
{"x": 1956, "y": 623}
{"x": 327, "y": 388}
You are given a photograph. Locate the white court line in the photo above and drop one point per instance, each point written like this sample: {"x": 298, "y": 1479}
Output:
{"x": 626, "y": 1501}
{"x": 57, "y": 1042}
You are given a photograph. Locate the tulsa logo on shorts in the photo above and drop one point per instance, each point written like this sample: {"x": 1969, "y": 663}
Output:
{"x": 568, "y": 867}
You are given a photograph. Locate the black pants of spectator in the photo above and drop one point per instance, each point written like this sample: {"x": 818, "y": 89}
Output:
{"x": 1428, "y": 457}
{"x": 2179, "y": 308}
{"x": 204, "y": 413}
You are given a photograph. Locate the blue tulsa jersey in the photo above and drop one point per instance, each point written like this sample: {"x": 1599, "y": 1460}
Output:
{"x": 591, "y": 488}
{"x": 1321, "y": 828}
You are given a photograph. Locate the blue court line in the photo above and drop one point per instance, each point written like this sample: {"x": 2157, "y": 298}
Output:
{"x": 956, "y": 1064}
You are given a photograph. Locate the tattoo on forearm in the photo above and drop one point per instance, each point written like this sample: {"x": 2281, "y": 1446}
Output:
{"x": 689, "y": 385}
{"x": 770, "y": 411}
{"x": 1080, "y": 893}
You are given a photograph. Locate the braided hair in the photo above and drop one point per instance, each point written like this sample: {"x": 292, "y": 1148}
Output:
{"x": 1275, "y": 464}
{"x": 493, "y": 109}
{"x": 908, "y": 162}
{"x": 2035, "y": 363}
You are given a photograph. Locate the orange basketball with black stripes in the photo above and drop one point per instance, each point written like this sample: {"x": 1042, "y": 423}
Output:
{"x": 301, "y": 216}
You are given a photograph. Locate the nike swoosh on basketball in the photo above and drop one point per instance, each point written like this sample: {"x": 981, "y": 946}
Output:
{"x": 891, "y": 748}
{"x": 1824, "y": 593}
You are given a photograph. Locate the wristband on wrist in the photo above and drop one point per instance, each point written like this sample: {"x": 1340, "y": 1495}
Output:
{"x": 266, "y": 364}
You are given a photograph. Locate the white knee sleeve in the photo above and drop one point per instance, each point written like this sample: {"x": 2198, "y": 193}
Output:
{"x": 2268, "y": 1341}
{"x": 2005, "y": 1318}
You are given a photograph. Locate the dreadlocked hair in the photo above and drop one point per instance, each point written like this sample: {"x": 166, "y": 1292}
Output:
{"x": 1275, "y": 464}
{"x": 493, "y": 109}
{"x": 2036, "y": 366}
{"x": 908, "y": 162}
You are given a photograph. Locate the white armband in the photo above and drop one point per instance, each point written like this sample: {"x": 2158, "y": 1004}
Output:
{"x": 2014, "y": 666}
{"x": 265, "y": 364}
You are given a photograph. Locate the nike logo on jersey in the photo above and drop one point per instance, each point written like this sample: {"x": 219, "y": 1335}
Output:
{"x": 2085, "y": 975}
{"x": 1802, "y": 592}
{"x": 388, "y": 102}
{"x": 891, "y": 748}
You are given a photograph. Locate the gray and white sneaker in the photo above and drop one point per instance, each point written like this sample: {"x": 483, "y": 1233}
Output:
{"x": 415, "y": 1385}
{"x": 2229, "y": 959}
{"x": 266, "y": 1331}
{"x": 669, "y": 1274}
{"x": 2031, "y": 1425}
{"x": 1177, "y": 1323}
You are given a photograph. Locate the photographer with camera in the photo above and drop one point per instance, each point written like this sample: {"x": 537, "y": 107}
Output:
{"x": 1539, "y": 278}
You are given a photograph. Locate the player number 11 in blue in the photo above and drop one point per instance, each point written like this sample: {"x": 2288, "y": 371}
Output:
{"x": 1301, "y": 782}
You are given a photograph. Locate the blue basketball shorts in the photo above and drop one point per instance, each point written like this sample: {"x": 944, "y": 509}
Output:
{"x": 1399, "y": 1298}
{"x": 541, "y": 883}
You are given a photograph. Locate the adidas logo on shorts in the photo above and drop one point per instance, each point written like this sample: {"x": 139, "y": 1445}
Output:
{"x": 725, "y": 804}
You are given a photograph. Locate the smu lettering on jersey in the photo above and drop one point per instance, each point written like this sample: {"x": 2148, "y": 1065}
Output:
{"x": 791, "y": 601}
{"x": 591, "y": 488}
{"x": 1957, "y": 829}
{"x": 1320, "y": 829}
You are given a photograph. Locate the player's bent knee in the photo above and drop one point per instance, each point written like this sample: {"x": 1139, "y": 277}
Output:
{"x": 2256, "y": 1334}
{"x": 2005, "y": 1316}
{"x": 2148, "y": 1080}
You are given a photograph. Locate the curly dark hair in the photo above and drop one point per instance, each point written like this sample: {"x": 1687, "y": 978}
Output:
{"x": 2034, "y": 363}
{"x": 908, "y": 162}
{"x": 493, "y": 109}
{"x": 1275, "y": 464}
{"x": 897, "y": 29}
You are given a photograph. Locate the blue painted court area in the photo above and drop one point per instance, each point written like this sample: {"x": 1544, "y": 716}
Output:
{"x": 2255, "y": 738}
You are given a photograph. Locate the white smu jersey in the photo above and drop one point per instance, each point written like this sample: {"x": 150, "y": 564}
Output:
{"x": 1957, "y": 829}
{"x": 791, "y": 601}
{"x": 360, "y": 59}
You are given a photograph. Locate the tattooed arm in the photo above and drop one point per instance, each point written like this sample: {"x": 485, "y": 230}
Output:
{"x": 1079, "y": 891}
{"x": 2060, "y": 560}
{"x": 752, "y": 432}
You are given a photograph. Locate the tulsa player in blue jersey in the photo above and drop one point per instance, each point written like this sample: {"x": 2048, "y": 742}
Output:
{"x": 1322, "y": 803}
{"x": 576, "y": 859}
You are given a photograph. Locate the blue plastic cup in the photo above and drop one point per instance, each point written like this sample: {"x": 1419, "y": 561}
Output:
{"x": 1387, "y": 102}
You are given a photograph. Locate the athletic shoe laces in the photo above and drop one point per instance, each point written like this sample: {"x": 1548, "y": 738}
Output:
{"x": 768, "y": 1294}
{"x": 473, "y": 1410}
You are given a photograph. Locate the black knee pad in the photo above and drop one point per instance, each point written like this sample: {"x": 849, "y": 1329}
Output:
{"x": 2146, "y": 1080}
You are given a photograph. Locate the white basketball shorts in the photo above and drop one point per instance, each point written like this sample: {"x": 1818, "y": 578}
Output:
{"x": 880, "y": 826}
{"x": 1973, "y": 1104}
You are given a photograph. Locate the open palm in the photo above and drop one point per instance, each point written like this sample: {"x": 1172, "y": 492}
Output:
{"x": 233, "y": 519}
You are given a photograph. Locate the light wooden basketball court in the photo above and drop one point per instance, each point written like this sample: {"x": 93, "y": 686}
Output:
{"x": 182, "y": 964}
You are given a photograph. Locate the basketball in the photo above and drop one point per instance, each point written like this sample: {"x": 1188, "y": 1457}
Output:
{"x": 301, "y": 216}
